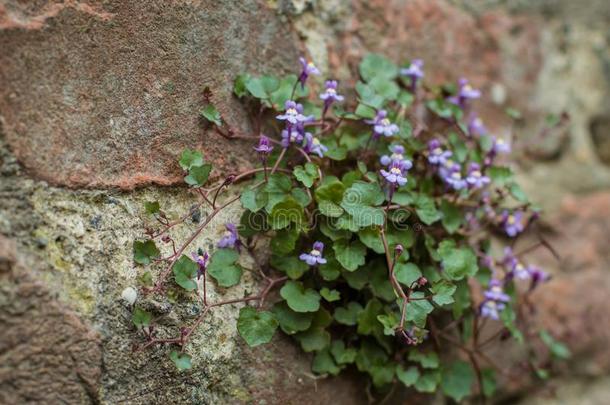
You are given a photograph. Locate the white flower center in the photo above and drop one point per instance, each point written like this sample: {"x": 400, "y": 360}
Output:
{"x": 291, "y": 111}
{"x": 467, "y": 88}
{"x": 496, "y": 289}
{"x": 448, "y": 163}
{"x": 519, "y": 267}
{"x": 491, "y": 304}
{"x": 395, "y": 170}
{"x": 477, "y": 122}
{"x": 500, "y": 141}
{"x": 456, "y": 175}
{"x": 511, "y": 220}
{"x": 475, "y": 173}
{"x": 315, "y": 252}
{"x": 315, "y": 141}
{"x": 330, "y": 90}
{"x": 310, "y": 65}
{"x": 293, "y": 136}
{"x": 385, "y": 122}
{"x": 396, "y": 156}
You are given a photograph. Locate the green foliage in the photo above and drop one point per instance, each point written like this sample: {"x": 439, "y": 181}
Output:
{"x": 398, "y": 263}
{"x": 144, "y": 251}
{"x": 224, "y": 269}
{"x": 256, "y": 327}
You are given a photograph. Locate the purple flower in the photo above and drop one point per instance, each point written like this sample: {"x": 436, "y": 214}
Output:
{"x": 314, "y": 257}
{"x": 500, "y": 146}
{"x": 474, "y": 178}
{"x": 330, "y": 93}
{"x": 308, "y": 68}
{"x": 437, "y": 155}
{"x": 465, "y": 93}
{"x": 414, "y": 72}
{"x": 294, "y": 113}
{"x": 451, "y": 173}
{"x": 513, "y": 223}
{"x": 509, "y": 260}
{"x": 382, "y": 125}
{"x": 264, "y": 146}
{"x": 201, "y": 258}
{"x": 313, "y": 145}
{"x": 476, "y": 126}
{"x": 230, "y": 238}
{"x": 396, "y": 156}
{"x": 395, "y": 175}
{"x": 291, "y": 135}
{"x": 495, "y": 300}
{"x": 538, "y": 276}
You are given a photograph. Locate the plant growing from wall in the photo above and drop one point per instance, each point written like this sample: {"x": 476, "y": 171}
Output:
{"x": 378, "y": 212}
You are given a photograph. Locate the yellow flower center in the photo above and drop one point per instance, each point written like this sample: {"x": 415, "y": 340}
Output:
{"x": 396, "y": 156}
{"x": 330, "y": 90}
{"x": 315, "y": 141}
{"x": 291, "y": 111}
{"x": 315, "y": 252}
{"x": 437, "y": 151}
{"x": 511, "y": 220}
{"x": 500, "y": 141}
{"x": 475, "y": 173}
{"x": 385, "y": 122}
{"x": 310, "y": 65}
{"x": 467, "y": 87}
{"x": 448, "y": 163}
{"x": 519, "y": 267}
{"x": 395, "y": 170}
{"x": 456, "y": 175}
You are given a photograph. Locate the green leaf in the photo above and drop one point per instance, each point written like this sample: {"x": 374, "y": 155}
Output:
{"x": 409, "y": 376}
{"x": 152, "y": 207}
{"x": 517, "y": 192}
{"x": 198, "y": 175}
{"x": 330, "y": 209}
{"x": 348, "y": 315}
{"x": 239, "y": 86}
{"x": 330, "y": 295}
{"x": 389, "y": 322}
{"x": 500, "y": 175}
{"x": 210, "y": 113}
{"x": 262, "y": 87}
{"x": 371, "y": 237}
{"x": 252, "y": 223}
{"x": 457, "y": 262}
{"x": 140, "y": 318}
{"x": 144, "y": 252}
{"x": 284, "y": 92}
{"x": 557, "y": 349}
{"x": 306, "y": 175}
{"x": 291, "y": 265}
{"x": 284, "y": 241}
{"x": 256, "y": 327}
{"x": 382, "y": 374}
{"x": 427, "y": 381}
{"x": 301, "y": 196}
{"x": 407, "y": 273}
{"x": 489, "y": 382}
{"x": 291, "y": 322}
{"x": 509, "y": 317}
{"x": 349, "y": 254}
{"x": 357, "y": 279}
{"x": 335, "y": 151}
{"x": 374, "y": 65}
{"x": 314, "y": 339}
{"x": 370, "y": 355}
{"x": 418, "y": 310}
{"x": 426, "y": 210}
{"x": 331, "y": 189}
{"x": 426, "y": 359}
{"x": 444, "y": 109}
{"x": 286, "y": 212}
{"x": 223, "y": 267}
{"x": 443, "y": 292}
{"x": 299, "y": 298}
{"x": 323, "y": 363}
{"x": 190, "y": 158}
{"x": 253, "y": 200}
{"x": 379, "y": 281}
{"x": 457, "y": 379}
{"x": 182, "y": 361}
{"x": 386, "y": 88}
{"x": 405, "y": 99}
{"x": 185, "y": 271}
{"x": 332, "y": 269}
{"x": 342, "y": 354}
{"x": 368, "y": 97}
{"x": 364, "y": 111}
{"x": 367, "y": 320}
{"x": 452, "y": 216}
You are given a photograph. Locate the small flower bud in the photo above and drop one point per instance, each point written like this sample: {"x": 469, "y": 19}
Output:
{"x": 422, "y": 281}
{"x": 398, "y": 250}
{"x": 129, "y": 295}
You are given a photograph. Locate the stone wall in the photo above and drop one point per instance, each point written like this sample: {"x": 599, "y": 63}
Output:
{"x": 97, "y": 98}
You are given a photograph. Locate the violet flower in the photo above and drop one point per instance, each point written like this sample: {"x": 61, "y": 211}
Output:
{"x": 308, "y": 68}
{"x": 414, "y": 72}
{"x": 476, "y": 126}
{"x": 313, "y": 145}
{"x": 382, "y": 125}
{"x": 475, "y": 178}
{"x": 291, "y": 135}
{"x": 451, "y": 173}
{"x": 538, "y": 276}
{"x": 264, "y": 146}
{"x": 314, "y": 257}
{"x": 396, "y": 156}
{"x": 500, "y": 146}
{"x": 436, "y": 155}
{"x": 201, "y": 258}
{"x": 230, "y": 238}
{"x": 395, "y": 175}
{"x": 495, "y": 300}
{"x": 513, "y": 223}
{"x": 330, "y": 94}
{"x": 465, "y": 93}
{"x": 294, "y": 113}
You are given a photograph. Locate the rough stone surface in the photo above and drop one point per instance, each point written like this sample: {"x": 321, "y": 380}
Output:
{"x": 104, "y": 95}
{"x": 113, "y": 88}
